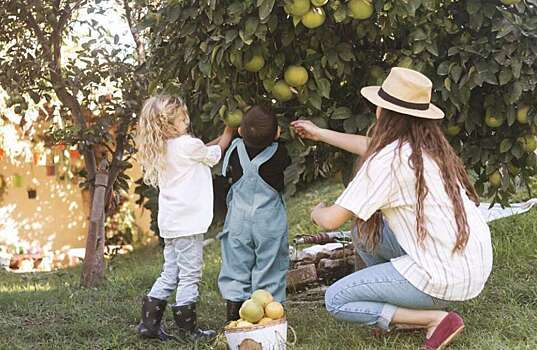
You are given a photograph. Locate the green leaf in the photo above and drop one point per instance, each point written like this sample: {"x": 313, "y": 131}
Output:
{"x": 315, "y": 100}
{"x": 265, "y": 8}
{"x": 341, "y": 113}
{"x": 505, "y": 76}
{"x": 473, "y": 6}
{"x": 340, "y": 14}
{"x": 323, "y": 87}
{"x": 506, "y": 145}
{"x": 443, "y": 68}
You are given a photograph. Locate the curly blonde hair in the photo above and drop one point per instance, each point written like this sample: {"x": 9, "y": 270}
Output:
{"x": 158, "y": 123}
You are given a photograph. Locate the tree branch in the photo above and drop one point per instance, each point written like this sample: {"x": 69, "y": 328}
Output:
{"x": 135, "y": 33}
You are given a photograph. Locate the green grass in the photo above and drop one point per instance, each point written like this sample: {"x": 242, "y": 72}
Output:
{"x": 50, "y": 311}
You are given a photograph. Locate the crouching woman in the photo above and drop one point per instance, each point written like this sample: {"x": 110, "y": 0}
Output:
{"x": 418, "y": 227}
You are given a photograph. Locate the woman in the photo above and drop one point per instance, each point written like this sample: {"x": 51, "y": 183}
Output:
{"x": 418, "y": 228}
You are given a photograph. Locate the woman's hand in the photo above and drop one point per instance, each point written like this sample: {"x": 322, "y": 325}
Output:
{"x": 330, "y": 218}
{"x": 307, "y": 129}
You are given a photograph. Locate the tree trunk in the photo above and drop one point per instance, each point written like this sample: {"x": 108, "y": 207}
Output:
{"x": 93, "y": 267}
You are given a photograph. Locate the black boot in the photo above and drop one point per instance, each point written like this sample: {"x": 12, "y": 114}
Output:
{"x": 152, "y": 311}
{"x": 186, "y": 319}
{"x": 233, "y": 308}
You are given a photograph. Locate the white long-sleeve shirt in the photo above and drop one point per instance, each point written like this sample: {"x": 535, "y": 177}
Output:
{"x": 186, "y": 187}
{"x": 387, "y": 183}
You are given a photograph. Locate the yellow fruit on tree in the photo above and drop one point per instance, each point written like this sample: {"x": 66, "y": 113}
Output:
{"x": 298, "y": 8}
{"x": 314, "y": 18}
{"x": 250, "y": 311}
{"x": 319, "y": 3}
{"x": 528, "y": 142}
{"x": 453, "y": 129}
{"x": 493, "y": 121}
{"x": 296, "y": 76}
{"x": 234, "y": 119}
{"x": 255, "y": 64}
{"x": 513, "y": 169}
{"x": 274, "y": 310}
{"x": 361, "y": 9}
{"x": 262, "y": 297}
{"x": 522, "y": 114}
{"x": 281, "y": 91}
{"x": 405, "y": 62}
{"x": 495, "y": 179}
{"x": 265, "y": 321}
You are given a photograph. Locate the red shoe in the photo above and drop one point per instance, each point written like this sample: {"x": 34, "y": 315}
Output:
{"x": 444, "y": 333}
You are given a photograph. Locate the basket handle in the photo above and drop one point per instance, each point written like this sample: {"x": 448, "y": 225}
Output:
{"x": 281, "y": 340}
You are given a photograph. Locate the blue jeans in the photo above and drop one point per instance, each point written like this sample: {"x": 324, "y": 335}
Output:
{"x": 372, "y": 295}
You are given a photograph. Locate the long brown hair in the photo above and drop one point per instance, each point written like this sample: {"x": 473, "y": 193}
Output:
{"x": 424, "y": 136}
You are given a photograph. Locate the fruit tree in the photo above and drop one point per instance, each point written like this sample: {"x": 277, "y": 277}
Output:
{"x": 309, "y": 59}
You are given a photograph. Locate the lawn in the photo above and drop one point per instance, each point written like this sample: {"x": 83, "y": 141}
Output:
{"x": 50, "y": 311}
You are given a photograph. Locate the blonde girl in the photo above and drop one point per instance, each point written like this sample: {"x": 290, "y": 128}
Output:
{"x": 179, "y": 165}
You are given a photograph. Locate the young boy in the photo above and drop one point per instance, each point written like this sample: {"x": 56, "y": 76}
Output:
{"x": 255, "y": 251}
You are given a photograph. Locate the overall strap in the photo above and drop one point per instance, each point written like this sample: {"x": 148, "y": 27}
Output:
{"x": 232, "y": 147}
{"x": 244, "y": 158}
{"x": 265, "y": 155}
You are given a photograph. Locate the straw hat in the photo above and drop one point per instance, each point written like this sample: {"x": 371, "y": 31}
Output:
{"x": 405, "y": 91}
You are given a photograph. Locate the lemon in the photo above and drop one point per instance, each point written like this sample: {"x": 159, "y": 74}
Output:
{"x": 296, "y": 76}
{"x": 281, "y": 91}
{"x": 314, "y": 18}
{"x": 255, "y": 64}
{"x": 361, "y": 9}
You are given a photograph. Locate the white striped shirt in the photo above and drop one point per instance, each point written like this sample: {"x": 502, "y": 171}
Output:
{"x": 387, "y": 183}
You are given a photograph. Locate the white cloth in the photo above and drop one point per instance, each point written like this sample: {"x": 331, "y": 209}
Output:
{"x": 495, "y": 212}
{"x": 387, "y": 183}
{"x": 186, "y": 187}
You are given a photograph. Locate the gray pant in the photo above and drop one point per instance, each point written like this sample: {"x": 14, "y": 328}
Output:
{"x": 183, "y": 262}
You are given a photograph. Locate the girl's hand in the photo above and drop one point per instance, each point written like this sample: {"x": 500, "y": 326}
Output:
{"x": 307, "y": 130}
{"x": 229, "y": 131}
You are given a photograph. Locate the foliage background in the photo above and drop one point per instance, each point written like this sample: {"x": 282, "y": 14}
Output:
{"x": 480, "y": 54}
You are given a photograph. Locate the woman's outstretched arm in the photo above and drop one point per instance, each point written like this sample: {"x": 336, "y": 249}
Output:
{"x": 356, "y": 144}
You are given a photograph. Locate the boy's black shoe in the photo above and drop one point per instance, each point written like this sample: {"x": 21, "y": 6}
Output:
{"x": 233, "y": 308}
{"x": 152, "y": 311}
{"x": 186, "y": 319}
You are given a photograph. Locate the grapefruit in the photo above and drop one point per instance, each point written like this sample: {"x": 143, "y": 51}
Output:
{"x": 495, "y": 179}
{"x": 510, "y": 2}
{"x": 319, "y": 3}
{"x": 264, "y": 321}
{"x": 513, "y": 169}
{"x": 250, "y": 311}
{"x": 453, "y": 129}
{"x": 361, "y": 9}
{"x": 234, "y": 119}
{"x": 314, "y": 18}
{"x": 262, "y": 297}
{"x": 281, "y": 91}
{"x": 493, "y": 121}
{"x": 274, "y": 310}
{"x": 296, "y": 76}
{"x": 298, "y": 8}
{"x": 255, "y": 64}
{"x": 243, "y": 324}
{"x": 522, "y": 114}
{"x": 528, "y": 142}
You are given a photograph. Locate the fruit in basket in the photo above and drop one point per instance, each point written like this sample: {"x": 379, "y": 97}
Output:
{"x": 243, "y": 324}
{"x": 274, "y": 310}
{"x": 262, "y": 297}
{"x": 251, "y": 311}
{"x": 232, "y": 324}
{"x": 265, "y": 321}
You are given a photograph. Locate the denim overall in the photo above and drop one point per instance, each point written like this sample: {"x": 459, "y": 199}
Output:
{"x": 255, "y": 251}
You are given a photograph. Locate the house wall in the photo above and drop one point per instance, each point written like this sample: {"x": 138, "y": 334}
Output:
{"x": 57, "y": 218}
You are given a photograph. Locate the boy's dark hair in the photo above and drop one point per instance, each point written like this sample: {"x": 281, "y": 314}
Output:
{"x": 259, "y": 127}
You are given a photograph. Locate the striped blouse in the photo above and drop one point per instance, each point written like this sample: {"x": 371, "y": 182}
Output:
{"x": 387, "y": 183}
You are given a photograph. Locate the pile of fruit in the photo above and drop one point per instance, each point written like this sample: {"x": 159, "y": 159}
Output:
{"x": 259, "y": 310}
